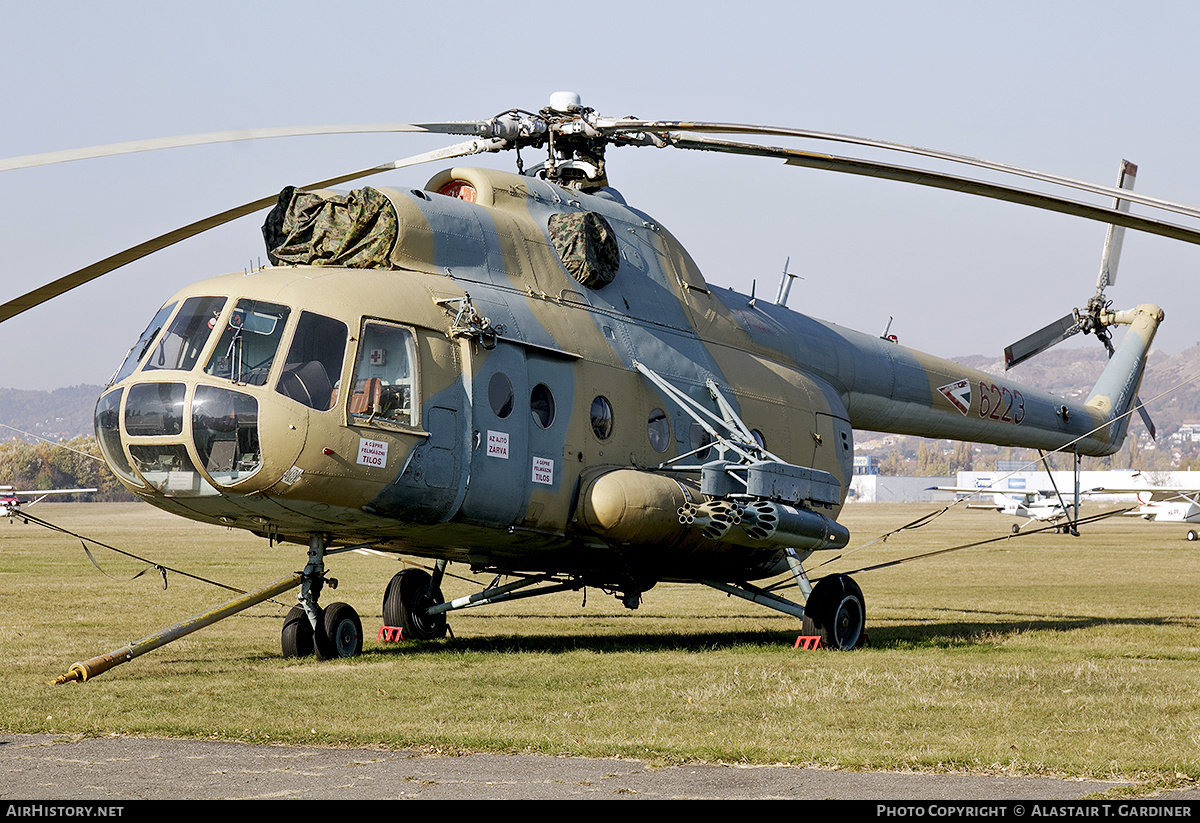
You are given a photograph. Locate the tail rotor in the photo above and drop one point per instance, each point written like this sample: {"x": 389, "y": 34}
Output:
{"x": 1096, "y": 317}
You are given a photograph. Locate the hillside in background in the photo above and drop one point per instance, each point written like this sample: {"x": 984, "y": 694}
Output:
{"x": 62, "y": 414}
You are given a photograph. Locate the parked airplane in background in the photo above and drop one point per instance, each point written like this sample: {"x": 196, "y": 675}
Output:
{"x": 1036, "y": 505}
{"x": 11, "y": 501}
{"x": 1164, "y": 504}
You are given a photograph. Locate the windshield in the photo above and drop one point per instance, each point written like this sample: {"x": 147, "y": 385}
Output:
{"x": 143, "y": 344}
{"x": 248, "y": 345}
{"x": 180, "y": 347}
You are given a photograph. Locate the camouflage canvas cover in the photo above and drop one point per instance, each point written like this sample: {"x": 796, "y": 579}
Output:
{"x": 586, "y": 245}
{"x": 357, "y": 230}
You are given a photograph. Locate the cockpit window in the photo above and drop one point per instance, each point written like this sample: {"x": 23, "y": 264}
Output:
{"x": 180, "y": 347}
{"x": 313, "y": 367}
{"x": 248, "y": 344}
{"x": 384, "y": 377}
{"x": 143, "y": 344}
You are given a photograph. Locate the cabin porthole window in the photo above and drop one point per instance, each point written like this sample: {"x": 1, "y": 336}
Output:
{"x": 658, "y": 428}
{"x": 602, "y": 417}
{"x": 701, "y": 442}
{"x": 500, "y": 395}
{"x": 541, "y": 406}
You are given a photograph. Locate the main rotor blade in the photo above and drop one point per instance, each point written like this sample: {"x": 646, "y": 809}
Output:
{"x": 1040, "y": 340}
{"x": 67, "y": 155}
{"x": 905, "y": 174}
{"x": 612, "y": 125}
{"x": 85, "y": 275}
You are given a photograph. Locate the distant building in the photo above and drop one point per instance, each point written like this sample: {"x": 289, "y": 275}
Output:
{"x": 867, "y": 464}
{"x": 881, "y": 488}
{"x": 1188, "y": 433}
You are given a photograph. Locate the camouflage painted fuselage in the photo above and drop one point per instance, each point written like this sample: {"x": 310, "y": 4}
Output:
{"x": 500, "y": 472}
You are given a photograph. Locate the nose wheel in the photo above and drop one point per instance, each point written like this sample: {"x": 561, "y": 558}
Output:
{"x": 329, "y": 633}
{"x": 340, "y": 636}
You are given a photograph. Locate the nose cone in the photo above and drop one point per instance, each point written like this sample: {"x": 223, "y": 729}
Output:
{"x": 176, "y": 440}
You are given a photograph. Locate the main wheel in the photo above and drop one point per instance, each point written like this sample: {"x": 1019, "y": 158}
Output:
{"x": 297, "y": 636}
{"x": 836, "y": 613}
{"x": 1191, "y": 535}
{"x": 405, "y": 604}
{"x": 341, "y": 633}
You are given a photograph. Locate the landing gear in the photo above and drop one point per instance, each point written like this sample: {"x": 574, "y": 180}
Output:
{"x": 1191, "y": 535}
{"x": 835, "y": 612}
{"x": 340, "y": 636}
{"x": 406, "y": 604}
{"x": 834, "y": 609}
{"x": 308, "y": 629}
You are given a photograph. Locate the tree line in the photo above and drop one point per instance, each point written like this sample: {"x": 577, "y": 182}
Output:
{"x": 70, "y": 464}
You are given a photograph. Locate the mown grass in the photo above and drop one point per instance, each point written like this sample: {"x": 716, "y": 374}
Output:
{"x": 1045, "y": 654}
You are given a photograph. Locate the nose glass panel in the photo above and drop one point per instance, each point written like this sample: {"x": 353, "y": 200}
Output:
{"x": 225, "y": 431}
{"x": 108, "y": 433}
{"x": 154, "y": 409}
{"x": 168, "y": 468}
{"x": 248, "y": 344}
{"x": 143, "y": 344}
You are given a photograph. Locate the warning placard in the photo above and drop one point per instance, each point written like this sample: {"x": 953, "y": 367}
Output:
{"x": 372, "y": 453}
{"x": 543, "y": 471}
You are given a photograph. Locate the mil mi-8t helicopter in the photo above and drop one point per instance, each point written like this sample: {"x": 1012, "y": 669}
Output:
{"x": 523, "y": 373}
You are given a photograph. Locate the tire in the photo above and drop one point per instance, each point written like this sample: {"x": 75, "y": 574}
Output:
{"x": 1016, "y": 529}
{"x": 341, "y": 633}
{"x": 296, "y": 639}
{"x": 1191, "y": 535}
{"x": 836, "y": 613}
{"x": 405, "y": 603}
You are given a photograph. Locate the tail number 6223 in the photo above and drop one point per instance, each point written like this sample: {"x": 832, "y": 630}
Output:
{"x": 1003, "y": 404}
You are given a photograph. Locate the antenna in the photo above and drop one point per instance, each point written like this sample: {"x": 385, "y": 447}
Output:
{"x": 785, "y": 284}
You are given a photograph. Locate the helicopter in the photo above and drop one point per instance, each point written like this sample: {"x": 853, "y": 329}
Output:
{"x": 523, "y": 373}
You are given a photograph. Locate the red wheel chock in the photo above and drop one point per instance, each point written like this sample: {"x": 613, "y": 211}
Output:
{"x": 389, "y": 634}
{"x": 807, "y": 642}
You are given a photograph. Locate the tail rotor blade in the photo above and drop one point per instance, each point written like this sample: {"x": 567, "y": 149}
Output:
{"x": 1041, "y": 340}
{"x": 1116, "y": 234}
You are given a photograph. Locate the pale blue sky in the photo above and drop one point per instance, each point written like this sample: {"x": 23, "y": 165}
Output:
{"x": 1068, "y": 87}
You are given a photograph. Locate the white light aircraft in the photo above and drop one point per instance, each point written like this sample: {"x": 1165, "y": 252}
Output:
{"x": 11, "y": 502}
{"x": 1036, "y": 505}
{"x": 1164, "y": 504}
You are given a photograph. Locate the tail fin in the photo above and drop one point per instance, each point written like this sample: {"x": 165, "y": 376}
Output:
{"x": 1115, "y": 393}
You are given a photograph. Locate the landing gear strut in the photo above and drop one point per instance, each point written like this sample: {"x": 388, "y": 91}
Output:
{"x": 329, "y": 633}
{"x": 834, "y": 608}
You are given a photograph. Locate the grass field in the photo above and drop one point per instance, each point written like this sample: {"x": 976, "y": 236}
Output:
{"x": 1044, "y": 654}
